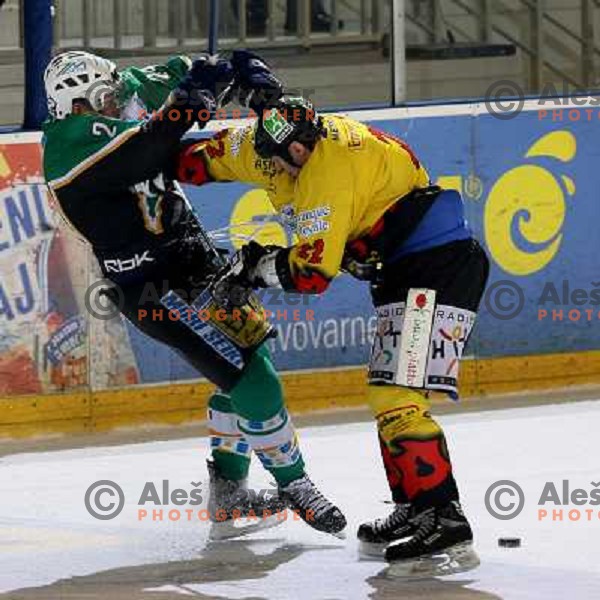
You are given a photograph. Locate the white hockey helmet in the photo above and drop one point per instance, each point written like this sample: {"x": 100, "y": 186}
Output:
{"x": 78, "y": 75}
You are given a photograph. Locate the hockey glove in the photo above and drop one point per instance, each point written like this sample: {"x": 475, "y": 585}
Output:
{"x": 209, "y": 83}
{"x": 258, "y": 87}
{"x": 369, "y": 270}
{"x": 260, "y": 264}
{"x": 254, "y": 265}
{"x": 232, "y": 285}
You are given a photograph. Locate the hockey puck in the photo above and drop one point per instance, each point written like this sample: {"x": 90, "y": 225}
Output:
{"x": 509, "y": 542}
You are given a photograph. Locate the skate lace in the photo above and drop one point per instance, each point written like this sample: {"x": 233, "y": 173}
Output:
{"x": 306, "y": 495}
{"x": 426, "y": 523}
{"x": 396, "y": 518}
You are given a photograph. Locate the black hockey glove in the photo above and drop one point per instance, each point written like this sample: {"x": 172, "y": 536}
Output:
{"x": 258, "y": 87}
{"x": 368, "y": 270}
{"x": 209, "y": 83}
{"x": 251, "y": 267}
{"x": 261, "y": 264}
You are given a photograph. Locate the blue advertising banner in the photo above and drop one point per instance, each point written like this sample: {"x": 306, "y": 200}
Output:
{"x": 530, "y": 185}
{"x": 531, "y": 190}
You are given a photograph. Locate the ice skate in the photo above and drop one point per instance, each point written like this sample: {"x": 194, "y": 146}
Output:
{"x": 375, "y": 536}
{"x": 440, "y": 545}
{"x": 235, "y": 511}
{"x": 303, "y": 496}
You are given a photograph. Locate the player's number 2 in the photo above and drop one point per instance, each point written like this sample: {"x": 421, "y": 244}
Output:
{"x": 99, "y": 129}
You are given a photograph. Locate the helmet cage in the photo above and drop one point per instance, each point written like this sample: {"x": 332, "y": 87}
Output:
{"x": 73, "y": 76}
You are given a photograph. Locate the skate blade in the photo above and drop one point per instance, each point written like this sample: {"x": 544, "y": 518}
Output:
{"x": 340, "y": 535}
{"x": 231, "y": 529}
{"x": 453, "y": 560}
{"x": 371, "y": 551}
{"x": 375, "y": 550}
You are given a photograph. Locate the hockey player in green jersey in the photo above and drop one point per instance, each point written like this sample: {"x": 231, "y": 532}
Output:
{"x": 113, "y": 180}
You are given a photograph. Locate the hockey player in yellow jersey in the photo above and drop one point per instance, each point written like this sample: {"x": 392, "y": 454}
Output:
{"x": 359, "y": 200}
{"x": 353, "y": 176}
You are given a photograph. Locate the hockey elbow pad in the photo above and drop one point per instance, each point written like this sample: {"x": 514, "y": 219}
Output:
{"x": 189, "y": 164}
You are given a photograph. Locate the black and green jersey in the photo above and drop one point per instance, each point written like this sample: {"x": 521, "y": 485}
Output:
{"x": 111, "y": 177}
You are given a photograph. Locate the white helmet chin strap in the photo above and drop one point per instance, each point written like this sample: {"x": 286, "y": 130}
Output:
{"x": 78, "y": 75}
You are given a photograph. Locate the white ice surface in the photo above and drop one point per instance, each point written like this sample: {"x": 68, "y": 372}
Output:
{"x": 46, "y": 533}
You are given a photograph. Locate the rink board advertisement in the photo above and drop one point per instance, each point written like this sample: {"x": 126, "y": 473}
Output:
{"x": 530, "y": 186}
{"x": 45, "y": 331}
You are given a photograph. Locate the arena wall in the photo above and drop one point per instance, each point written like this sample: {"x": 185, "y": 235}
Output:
{"x": 530, "y": 183}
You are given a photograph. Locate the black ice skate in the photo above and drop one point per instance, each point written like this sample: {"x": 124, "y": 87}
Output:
{"x": 440, "y": 545}
{"x": 236, "y": 511}
{"x": 376, "y": 535}
{"x": 303, "y": 496}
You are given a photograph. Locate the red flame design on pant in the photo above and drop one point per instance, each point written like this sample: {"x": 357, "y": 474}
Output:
{"x": 417, "y": 466}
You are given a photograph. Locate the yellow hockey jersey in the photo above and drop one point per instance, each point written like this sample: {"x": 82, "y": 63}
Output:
{"x": 353, "y": 176}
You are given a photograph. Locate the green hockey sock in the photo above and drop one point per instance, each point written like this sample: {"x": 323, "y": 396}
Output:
{"x": 230, "y": 451}
{"x": 265, "y": 422}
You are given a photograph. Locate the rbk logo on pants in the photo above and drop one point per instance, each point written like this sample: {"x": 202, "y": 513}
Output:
{"x": 117, "y": 265}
